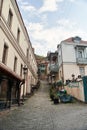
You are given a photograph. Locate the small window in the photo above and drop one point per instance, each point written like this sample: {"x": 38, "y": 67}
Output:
{"x": 5, "y": 53}
{"x": 1, "y": 3}
{"x": 60, "y": 74}
{"x": 15, "y": 64}
{"x": 82, "y": 71}
{"x": 10, "y": 15}
{"x": 18, "y": 35}
{"x": 21, "y": 70}
{"x": 80, "y": 54}
{"x": 27, "y": 53}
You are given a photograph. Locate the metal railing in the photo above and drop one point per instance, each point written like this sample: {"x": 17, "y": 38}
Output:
{"x": 81, "y": 60}
{"x": 53, "y": 67}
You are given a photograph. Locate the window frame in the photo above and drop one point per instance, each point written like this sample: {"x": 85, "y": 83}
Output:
{"x": 27, "y": 53}
{"x": 15, "y": 64}
{"x": 80, "y": 53}
{"x": 1, "y": 4}
{"x": 5, "y": 54}
{"x": 82, "y": 72}
{"x": 18, "y": 34}
{"x": 21, "y": 70}
{"x": 10, "y": 17}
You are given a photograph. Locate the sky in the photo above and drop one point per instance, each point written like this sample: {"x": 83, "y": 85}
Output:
{"x": 49, "y": 22}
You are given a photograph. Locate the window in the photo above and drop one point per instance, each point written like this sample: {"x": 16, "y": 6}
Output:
{"x": 1, "y": 2}
{"x": 60, "y": 74}
{"x": 15, "y": 64}
{"x": 18, "y": 35}
{"x": 5, "y": 53}
{"x": 82, "y": 71}
{"x": 21, "y": 70}
{"x": 77, "y": 39}
{"x": 79, "y": 54}
{"x": 27, "y": 53}
{"x": 10, "y": 15}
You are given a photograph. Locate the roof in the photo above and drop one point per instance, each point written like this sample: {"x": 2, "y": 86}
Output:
{"x": 71, "y": 39}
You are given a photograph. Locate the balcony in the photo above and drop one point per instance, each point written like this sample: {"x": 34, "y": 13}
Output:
{"x": 81, "y": 61}
{"x": 53, "y": 68}
{"x": 42, "y": 68}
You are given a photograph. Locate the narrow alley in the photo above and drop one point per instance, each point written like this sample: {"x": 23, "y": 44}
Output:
{"x": 39, "y": 113}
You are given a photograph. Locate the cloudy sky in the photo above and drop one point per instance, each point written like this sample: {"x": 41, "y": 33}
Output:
{"x": 50, "y": 21}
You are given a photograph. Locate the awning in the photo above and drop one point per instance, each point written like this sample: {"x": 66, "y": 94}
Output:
{"x": 8, "y": 72}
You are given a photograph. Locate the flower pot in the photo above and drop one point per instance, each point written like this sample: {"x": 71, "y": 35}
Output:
{"x": 56, "y": 101}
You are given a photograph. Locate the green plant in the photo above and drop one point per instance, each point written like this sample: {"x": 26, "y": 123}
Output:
{"x": 59, "y": 83}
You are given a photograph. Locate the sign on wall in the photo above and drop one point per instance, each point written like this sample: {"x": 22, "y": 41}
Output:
{"x": 73, "y": 84}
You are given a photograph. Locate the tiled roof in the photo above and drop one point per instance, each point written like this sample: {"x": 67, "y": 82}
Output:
{"x": 71, "y": 40}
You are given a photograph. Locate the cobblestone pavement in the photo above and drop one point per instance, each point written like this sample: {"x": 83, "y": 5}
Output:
{"x": 39, "y": 113}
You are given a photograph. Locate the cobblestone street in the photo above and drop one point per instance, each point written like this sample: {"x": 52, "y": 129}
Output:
{"x": 39, "y": 113}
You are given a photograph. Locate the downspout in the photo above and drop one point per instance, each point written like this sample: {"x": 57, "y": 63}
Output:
{"x": 62, "y": 65}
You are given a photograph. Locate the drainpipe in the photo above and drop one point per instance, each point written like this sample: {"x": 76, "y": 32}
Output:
{"x": 62, "y": 64}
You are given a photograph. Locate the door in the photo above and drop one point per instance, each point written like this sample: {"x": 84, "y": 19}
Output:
{"x": 84, "y": 78}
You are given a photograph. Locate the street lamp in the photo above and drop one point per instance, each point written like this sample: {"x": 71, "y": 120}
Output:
{"x": 25, "y": 72}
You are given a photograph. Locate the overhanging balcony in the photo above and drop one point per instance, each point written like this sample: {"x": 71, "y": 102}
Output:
{"x": 81, "y": 61}
{"x": 53, "y": 68}
{"x": 42, "y": 68}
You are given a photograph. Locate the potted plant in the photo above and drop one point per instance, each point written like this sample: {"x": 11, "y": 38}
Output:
{"x": 56, "y": 98}
{"x": 52, "y": 91}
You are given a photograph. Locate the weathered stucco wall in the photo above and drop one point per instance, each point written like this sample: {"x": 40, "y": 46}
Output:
{"x": 76, "y": 91}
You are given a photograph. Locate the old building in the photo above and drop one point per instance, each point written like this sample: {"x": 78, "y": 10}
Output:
{"x": 72, "y": 58}
{"x": 42, "y": 63}
{"x": 52, "y": 66}
{"x": 17, "y": 59}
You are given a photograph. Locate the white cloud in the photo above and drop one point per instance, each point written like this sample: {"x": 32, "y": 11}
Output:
{"x": 35, "y": 27}
{"x": 47, "y": 39}
{"x": 28, "y": 8}
{"x": 19, "y": 0}
{"x": 67, "y": 23}
{"x": 39, "y": 48}
{"x": 72, "y": 0}
{"x": 22, "y": 2}
{"x": 49, "y": 6}
{"x": 44, "y": 19}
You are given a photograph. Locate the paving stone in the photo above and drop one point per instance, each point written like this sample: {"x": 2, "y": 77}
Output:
{"x": 39, "y": 113}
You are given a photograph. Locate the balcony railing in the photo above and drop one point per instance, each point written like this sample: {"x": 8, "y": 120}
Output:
{"x": 53, "y": 67}
{"x": 42, "y": 68}
{"x": 81, "y": 61}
